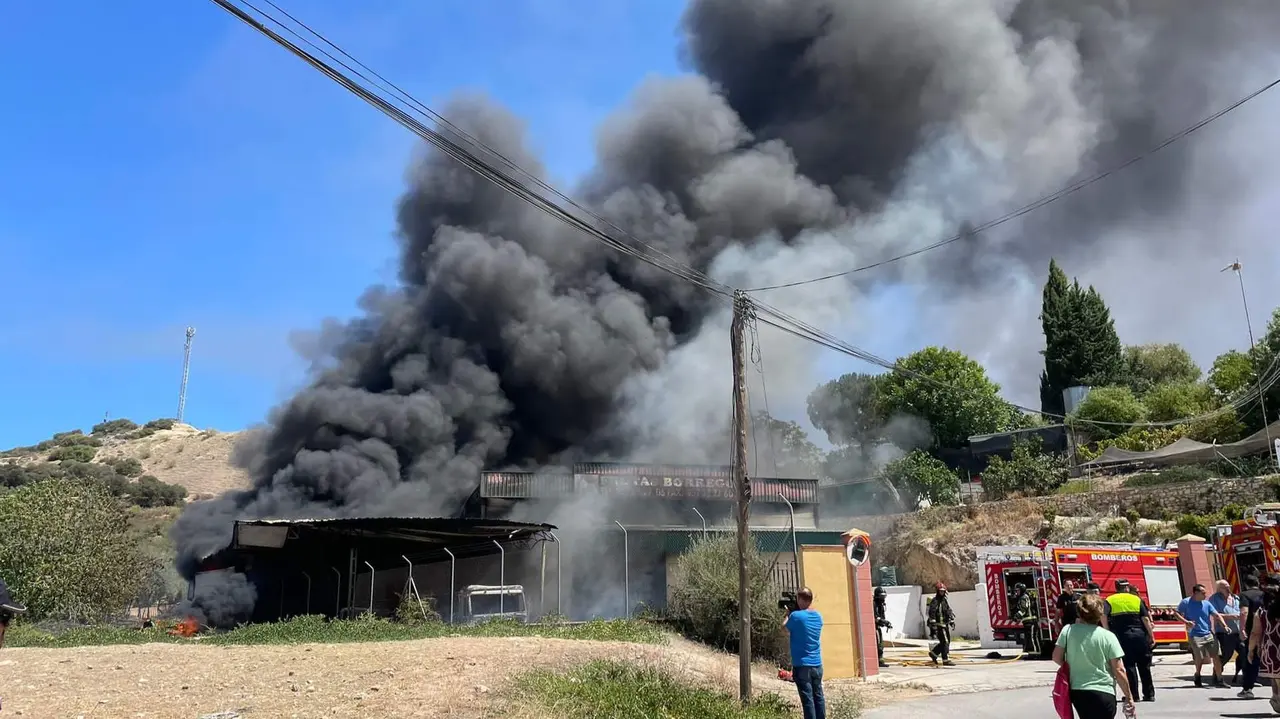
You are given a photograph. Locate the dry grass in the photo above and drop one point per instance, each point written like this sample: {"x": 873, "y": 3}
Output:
{"x": 451, "y": 677}
{"x": 199, "y": 460}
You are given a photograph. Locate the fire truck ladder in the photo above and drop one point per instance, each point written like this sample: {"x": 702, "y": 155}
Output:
{"x": 1045, "y": 603}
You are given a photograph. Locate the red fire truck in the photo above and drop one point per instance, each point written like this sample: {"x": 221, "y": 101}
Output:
{"x": 1248, "y": 546}
{"x": 1046, "y": 570}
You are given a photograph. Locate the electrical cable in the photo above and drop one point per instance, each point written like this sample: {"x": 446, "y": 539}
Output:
{"x": 641, "y": 251}
{"x": 785, "y": 323}
{"x": 1045, "y": 200}
{"x": 645, "y": 252}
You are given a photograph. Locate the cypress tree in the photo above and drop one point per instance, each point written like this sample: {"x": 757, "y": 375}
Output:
{"x": 1081, "y": 344}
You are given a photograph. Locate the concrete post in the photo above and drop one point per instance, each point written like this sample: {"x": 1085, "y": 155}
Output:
{"x": 865, "y": 625}
{"x": 1194, "y": 563}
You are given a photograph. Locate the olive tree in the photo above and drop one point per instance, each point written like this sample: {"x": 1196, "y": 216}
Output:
{"x": 66, "y": 550}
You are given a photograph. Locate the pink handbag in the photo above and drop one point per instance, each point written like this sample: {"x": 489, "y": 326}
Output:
{"x": 1062, "y": 686}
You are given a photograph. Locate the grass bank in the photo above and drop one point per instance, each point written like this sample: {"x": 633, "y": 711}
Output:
{"x": 617, "y": 690}
{"x": 315, "y": 629}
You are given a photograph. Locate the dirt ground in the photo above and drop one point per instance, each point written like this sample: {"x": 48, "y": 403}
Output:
{"x": 452, "y": 677}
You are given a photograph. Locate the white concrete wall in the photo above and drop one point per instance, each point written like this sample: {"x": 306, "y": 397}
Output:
{"x": 905, "y": 609}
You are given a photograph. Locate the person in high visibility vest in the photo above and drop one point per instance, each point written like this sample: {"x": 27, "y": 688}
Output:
{"x": 1129, "y": 619}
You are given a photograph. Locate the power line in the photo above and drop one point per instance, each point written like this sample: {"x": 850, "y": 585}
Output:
{"x": 638, "y": 249}
{"x": 779, "y": 320}
{"x": 458, "y": 151}
{"x": 1046, "y": 200}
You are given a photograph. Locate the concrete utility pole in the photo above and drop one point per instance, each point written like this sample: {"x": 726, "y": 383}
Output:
{"x": 1262, "y": 401}
{"x": 737, "y": 340}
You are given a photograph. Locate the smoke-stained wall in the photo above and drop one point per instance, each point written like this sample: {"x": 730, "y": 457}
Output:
{"x": 810, "y": 136}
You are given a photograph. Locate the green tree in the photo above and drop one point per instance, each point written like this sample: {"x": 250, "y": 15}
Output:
{"x": 949, "y": 392}
{"x": 1177, "y": 400}
{"x": 793, "y": 455}
{"x": 849, "y": 410}
{"x": 919, "y": 477}
{"x": 1151, "y": 365}
{"x": 1028, "y": 472}
{"x": 67, "y": 551}
{"x": 1263, "y": 355}
{"x": 1081, "y": 344}
{"x": 1231, "y": 375}
{"x": 1106, "y": 409}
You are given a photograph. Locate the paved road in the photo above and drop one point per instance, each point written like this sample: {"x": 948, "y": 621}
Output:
{"x": 1175, "y": 699}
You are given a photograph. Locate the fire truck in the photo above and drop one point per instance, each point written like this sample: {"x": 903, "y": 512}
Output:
{"x": 1045, "y": 570}
{"x": 1248, "y": 546}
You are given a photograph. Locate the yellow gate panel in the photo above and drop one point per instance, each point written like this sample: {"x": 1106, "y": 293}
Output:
{"x": 825, "y": 571}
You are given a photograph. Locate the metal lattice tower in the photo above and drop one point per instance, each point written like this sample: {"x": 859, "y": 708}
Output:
{"x": 186, "y": 373}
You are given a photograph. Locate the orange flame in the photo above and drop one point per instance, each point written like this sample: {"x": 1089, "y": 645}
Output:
{"x": 185, "y": 628}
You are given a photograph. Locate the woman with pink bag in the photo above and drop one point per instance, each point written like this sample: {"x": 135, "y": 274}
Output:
{"x": 1092, "y": 664}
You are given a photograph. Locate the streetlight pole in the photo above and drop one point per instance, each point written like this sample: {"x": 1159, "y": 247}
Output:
{"x": 1253, "y": 348}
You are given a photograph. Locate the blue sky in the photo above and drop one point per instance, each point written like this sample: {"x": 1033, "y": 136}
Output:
{"x": 166, "y": 166}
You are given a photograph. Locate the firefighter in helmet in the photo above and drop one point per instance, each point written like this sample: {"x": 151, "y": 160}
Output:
{"x": 941, "y": 621}
{"x": 878, "y": 598}
{"x": 1024, "y": 612}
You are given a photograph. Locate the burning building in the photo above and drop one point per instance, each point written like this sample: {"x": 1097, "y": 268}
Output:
{"x": 599, "y": 564}
{"x": 808, "y": 138}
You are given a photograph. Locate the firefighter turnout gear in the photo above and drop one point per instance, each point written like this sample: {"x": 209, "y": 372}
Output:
{"x": 881, "y": 623}
{"x": 1024, "y": 611}
{"x": 941, "y": 621}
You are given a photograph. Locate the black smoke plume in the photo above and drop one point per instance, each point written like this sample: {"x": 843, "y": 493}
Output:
{"x": 814, "y": 135}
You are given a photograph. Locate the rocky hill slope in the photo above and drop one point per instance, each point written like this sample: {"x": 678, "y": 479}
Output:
{"x": 175, "y": 453}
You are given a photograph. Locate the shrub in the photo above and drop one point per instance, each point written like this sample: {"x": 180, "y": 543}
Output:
{"x": 148, "y": 491}
{"x": 920, "y": 477}
{"x": 67, "y": 551}
{"x": 114, "y": 426}
{"x": 159, "y": 424}
{"x": 1028, "y": 472}
{"x": 73, "y": 453}
{"x": 1111, "y": 406}
{"x": 1172, "y": 475}
{"x": 1199, "y": 524}
{"x": 125, "y": 466}
{"x": 409, "y": 611}
{"x": 1120, "y": 530}
{"x": 1075, "y": 486}
{"x": 704, "y": 598}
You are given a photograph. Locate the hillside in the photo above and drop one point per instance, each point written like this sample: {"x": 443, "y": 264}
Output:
{"x": 174, "y": 453}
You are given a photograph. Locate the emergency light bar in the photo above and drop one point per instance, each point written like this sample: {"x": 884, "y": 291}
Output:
{"x": 1264, "y": 515}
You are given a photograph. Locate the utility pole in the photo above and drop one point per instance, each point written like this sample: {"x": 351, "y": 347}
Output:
{"x": 1262, "y": 401}
{"x": 737, "y": 340}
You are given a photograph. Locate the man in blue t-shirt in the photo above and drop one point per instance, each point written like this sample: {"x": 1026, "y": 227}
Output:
{"x": 1202, "y": 619}
{"x": 804, "y": 626}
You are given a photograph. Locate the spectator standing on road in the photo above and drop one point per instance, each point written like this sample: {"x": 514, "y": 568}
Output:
{"x": 1228, "y": 606}
{"x": 941, "y": 621}
{"x": 1264, "y": 639}
{"x": 1130, "y": 620}
{"x": 1197, "y": 612}
{"x": 1251, "y": 603}
{"x": 1094, "y": 659}
{"x": 804, "y": 627}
